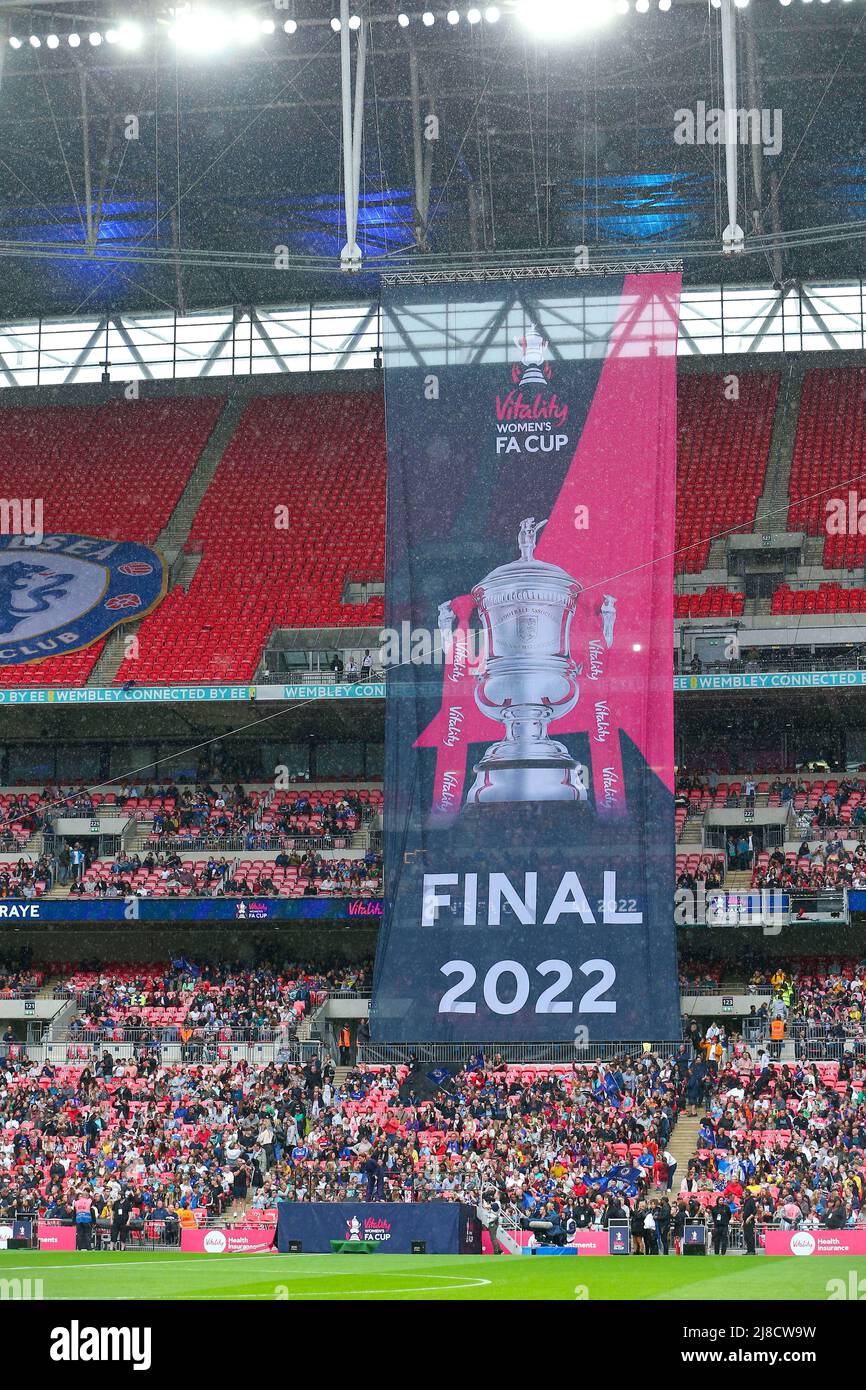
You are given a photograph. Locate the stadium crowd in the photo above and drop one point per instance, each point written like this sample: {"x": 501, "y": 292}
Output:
{"x": 297, "y": 823}
{"x": 571, "y": 1147}
{"x": 826, "y": 864}
{"x": 26, "y": 877}
{"x": 200, "y": 1007}
{"x": 708, "y": 872}
{"x": 287, "y": 874}
{"x": 137, "y": 1144}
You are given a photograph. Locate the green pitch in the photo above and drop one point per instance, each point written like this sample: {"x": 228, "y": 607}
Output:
{"x": 158, "y": 1275}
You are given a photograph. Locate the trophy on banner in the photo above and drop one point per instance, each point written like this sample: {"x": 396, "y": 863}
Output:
{"x": 532, "y": 347}
{"x": 529, "y": 680}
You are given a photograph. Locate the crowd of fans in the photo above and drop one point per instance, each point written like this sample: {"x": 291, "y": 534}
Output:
{"x": 820, "y": 1002}
{"x": 792, "y": 1136}
{"x": 19, "y": 981}
{"x": 825, "y": 864}
{"x": 570, "y": 1148}
{"x": 199, "y": 1006}
{"x": 27, "y": 877}
{"x": 298, "y": 824}
{"x": 285, "y": 875}
{"x": 138, "y": 1146}
{"x": 225, "y": 812}
{"x": 708, "y": 872}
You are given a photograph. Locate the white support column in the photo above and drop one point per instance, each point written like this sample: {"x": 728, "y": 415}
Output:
{"x": 358, "y": 122}
{"x": 417, "y": 150}
{"x": 732, "y": 236}
{"x": 350, "y": 256}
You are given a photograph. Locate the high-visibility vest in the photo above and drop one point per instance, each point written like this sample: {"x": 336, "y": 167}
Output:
{"x": 777, "y": 1029}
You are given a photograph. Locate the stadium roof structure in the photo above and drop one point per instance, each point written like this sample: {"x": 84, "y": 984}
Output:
{"x": 178, "y": 159}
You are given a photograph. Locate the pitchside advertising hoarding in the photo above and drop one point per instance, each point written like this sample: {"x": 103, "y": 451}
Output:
{"x": 808, "y": 1243}
{"x": 19, "y": 911}
{"x": 443, "y": 1228}
{"x": 529, "y": 735}
{"x": 229, "y": 1240}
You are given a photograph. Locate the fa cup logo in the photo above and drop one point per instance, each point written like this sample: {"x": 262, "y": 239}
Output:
{"x": 532, "y": 369}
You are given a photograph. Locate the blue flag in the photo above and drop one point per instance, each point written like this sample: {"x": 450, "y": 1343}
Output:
{"x": 186, "y": 967}
{"x": 614, "y": 1094}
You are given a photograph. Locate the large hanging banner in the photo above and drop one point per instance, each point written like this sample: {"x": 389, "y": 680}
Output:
{"x": 529, "y": 814}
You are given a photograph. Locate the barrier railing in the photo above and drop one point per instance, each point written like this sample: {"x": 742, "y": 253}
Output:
{"x": 250, "y": 840}
{"x": 172, "y": 1033}
{"x": 344, "y": 890}
{"x": 169, "y": 1053}
{"x": 756, "y": 992}
{"x": 539, "y": 1053}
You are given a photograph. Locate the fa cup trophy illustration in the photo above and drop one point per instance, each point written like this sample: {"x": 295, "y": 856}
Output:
{"x": 532, "y": 346}
{"x": 529, "y": 679}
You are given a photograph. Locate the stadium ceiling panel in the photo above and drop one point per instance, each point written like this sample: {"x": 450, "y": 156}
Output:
{"x": 160, "y": 163}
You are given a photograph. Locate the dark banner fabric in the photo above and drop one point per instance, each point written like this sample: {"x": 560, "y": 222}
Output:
{"x": 529, "y": 815}
{"x": 445, "y": 1228}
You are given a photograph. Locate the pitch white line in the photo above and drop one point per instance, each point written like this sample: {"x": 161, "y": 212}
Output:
{"x": 152, "y": 1264}
{"x": 450, "y": 1287}
{"x": 357, "y": 1293}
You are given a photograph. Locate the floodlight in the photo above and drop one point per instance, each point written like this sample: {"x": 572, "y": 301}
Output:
{"x": 130, "y": 35}
{"x": 558, "y": 19}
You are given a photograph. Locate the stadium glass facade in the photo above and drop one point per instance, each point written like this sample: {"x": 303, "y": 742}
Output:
{"x": 714, "y": 320}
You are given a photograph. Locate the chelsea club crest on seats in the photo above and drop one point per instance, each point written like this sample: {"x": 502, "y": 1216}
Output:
{"x": 62, "y": 592}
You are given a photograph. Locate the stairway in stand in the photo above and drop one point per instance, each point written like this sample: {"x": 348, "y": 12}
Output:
{"x": 683, "y": 1145}
{"x": 692, "y": 831}
{"x": 738, "y": 880}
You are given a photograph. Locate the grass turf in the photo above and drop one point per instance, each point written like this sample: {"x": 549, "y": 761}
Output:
{"x": 157, "y": 1275}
